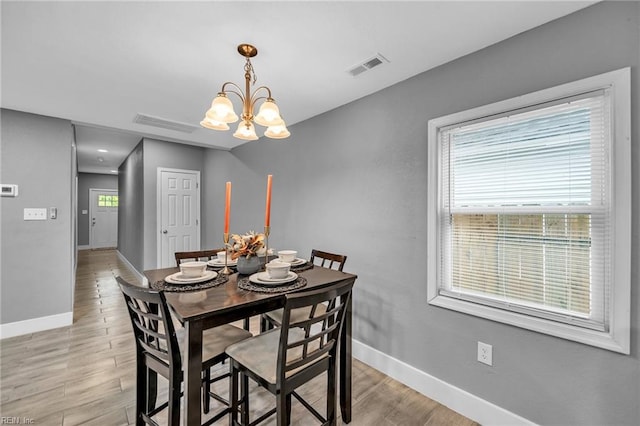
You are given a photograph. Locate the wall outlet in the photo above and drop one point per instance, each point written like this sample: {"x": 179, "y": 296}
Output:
{"x": 35, "y": 214}
{"x": 485, "y": 353}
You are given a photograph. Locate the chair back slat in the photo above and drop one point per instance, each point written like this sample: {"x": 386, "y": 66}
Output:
{"x": 307, "y": 341}
{"x": 183, "y": 256}
{"x": 328, "y": 260}
{"x": 152, "y": 324}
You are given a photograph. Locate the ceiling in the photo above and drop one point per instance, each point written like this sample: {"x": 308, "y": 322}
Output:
{"x": 99, "y": 64}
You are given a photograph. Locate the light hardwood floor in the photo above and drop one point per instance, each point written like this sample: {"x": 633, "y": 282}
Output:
{"x": 84, "y": 374}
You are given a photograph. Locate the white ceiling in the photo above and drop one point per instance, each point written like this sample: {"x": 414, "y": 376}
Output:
{"x": 101, "y": 63}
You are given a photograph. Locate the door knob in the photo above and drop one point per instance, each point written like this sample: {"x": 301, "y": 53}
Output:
{"x": 164, "y": 232}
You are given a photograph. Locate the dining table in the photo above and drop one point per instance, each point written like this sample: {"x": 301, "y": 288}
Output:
{"x": 227, "y": 302}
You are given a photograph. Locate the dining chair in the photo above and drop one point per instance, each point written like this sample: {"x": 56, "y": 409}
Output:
{"x": 158, "y": 349}
{"x": 324, "y": 259}
{"x": 328, "y": 260}
{"x": 196, "y": 255}
{"x": 283, "y": 359}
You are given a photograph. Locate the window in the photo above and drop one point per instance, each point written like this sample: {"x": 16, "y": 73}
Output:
{"x": 107, "y": 200}
{"x": 529, "y": 211}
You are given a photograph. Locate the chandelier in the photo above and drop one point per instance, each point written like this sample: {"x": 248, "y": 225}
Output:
{"x": 221, "y": 112}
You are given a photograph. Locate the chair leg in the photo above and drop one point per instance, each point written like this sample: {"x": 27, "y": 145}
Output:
{"x": 141, "y": 392}
{"x": 331, "y": 393}
{"x": 173, "y": 418}
{"x": 245, "y": 399}
{"x": 281, "y": 409}
{"x": 206, "y": 401}
{"x": 233, "y": 394}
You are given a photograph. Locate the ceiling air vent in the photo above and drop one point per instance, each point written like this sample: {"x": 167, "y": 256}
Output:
{"x": 149, "y": 120}
{"x": 367, "y": 65}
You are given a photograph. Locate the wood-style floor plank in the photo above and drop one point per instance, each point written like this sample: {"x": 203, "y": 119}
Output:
{"x": 84, "y": 374}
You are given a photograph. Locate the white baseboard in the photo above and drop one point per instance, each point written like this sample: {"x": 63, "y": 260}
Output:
{"x": 141, "y": 277}
{"x": 461, "y": 401}
{"x": 83, "y": 247}
{"x": 34, "y": 325}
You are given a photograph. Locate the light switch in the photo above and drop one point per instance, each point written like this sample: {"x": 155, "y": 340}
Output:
{"x": 85, "y": 211}
{"x": 35, "y": 214}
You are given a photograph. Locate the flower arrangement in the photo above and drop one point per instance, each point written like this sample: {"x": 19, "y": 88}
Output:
{"x": 246, "y": 245}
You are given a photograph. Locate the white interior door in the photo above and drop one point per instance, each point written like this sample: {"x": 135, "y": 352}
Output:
{"x": 179, "y": 213}
{"x": 103, "y": 208}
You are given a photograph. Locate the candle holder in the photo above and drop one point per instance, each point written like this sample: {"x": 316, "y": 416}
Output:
{"x": 226, "y": 270}
{"x": 267, "y": 230}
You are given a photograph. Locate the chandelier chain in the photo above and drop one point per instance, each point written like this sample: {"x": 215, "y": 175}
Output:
{"x": 248, "y": 68}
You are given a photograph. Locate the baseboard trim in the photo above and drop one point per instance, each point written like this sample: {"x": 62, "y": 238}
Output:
{"x": 461, "y": 401}
{"x": 83, "y": 247}
{"x": 34, "y": 325}
{"x": 141, "y": 277}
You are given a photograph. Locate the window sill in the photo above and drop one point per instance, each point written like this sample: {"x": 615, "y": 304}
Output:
{"x": 604, "y": 340}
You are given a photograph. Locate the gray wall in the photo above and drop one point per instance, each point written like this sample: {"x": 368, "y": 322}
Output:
{"x": 137, "y": 213}
{"x": 354, "y": 181}
{"x": 88, "y": 181}
{"x": 169, "y": 155}
{"x": 36, "y": 270}
{"x": 131, "y": 208}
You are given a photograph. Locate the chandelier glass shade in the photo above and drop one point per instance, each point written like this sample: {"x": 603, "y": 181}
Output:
{"x": 222, "y": 113}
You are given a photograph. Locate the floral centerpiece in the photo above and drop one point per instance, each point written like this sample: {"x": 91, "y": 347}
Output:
{"x": 246, "y": 245}
{"x": 246, "y": 248}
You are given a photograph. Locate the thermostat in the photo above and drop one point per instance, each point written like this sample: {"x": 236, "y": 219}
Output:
{"x": 9, "y": 190}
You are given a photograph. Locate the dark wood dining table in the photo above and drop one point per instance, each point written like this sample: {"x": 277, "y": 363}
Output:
{"x": 203, "y": 309}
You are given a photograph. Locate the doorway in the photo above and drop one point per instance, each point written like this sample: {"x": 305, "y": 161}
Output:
{"x": 103, "y": 211}
{"x": 178, "y": 213}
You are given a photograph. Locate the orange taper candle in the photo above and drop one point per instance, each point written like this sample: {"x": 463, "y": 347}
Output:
{"x": 267, "y": 213}
{"x": 227, "y": 208}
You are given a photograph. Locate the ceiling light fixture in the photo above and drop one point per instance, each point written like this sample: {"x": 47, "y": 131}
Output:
{"x": 102, "y": 150}
{"x": 221, "y": 112}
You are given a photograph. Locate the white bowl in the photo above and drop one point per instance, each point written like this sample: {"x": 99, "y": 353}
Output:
{"x": 287, "y": 255}
{"x": 221, "y": 255}
{"x": 193, "y": 269}
{"x": 278, "y": 269}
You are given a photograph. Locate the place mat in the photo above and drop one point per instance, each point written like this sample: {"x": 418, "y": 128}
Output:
{"x": 220, "y": 268}
{"x": 165, "y": 286}
{"x": 303, "y": 267}
{"x": 245, "y": 284}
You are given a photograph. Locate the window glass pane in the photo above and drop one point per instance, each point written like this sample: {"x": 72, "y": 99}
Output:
{"x": 538, "y": 158}
{"x": 536, "y": 260}
{"x": 522, "y": 189}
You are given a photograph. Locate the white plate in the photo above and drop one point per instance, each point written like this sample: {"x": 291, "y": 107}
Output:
{"x": 178, "y": 278}
{"x": 297, "y": 262}
{"x": 262, "y": 278}
{"x": 220, "y": 263}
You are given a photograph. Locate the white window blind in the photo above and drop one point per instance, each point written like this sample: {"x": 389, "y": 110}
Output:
{"x": 526, "y": 210}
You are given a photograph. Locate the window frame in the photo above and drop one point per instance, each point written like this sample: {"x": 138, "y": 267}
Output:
{"x": 617, "y": 337}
